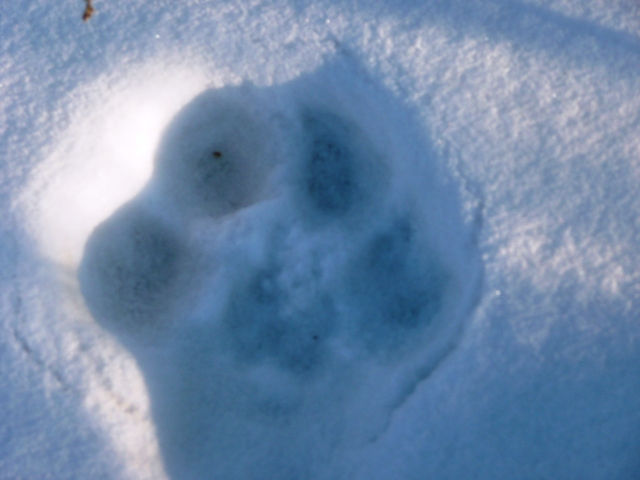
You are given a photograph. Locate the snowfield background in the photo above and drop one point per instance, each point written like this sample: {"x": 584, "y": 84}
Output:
{"x": 320, "y": 240}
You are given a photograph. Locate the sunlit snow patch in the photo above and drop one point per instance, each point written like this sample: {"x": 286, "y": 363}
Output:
{"x": 294, "y": 267}
{"x": 103, "y": 158}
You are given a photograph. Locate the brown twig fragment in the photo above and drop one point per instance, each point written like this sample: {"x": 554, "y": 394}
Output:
{"x": 88, "y": 11}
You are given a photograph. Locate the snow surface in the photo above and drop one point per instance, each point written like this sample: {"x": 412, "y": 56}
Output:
{"x": 290, "y": 239}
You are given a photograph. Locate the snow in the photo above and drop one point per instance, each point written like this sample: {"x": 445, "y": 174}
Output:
{"x": 418, "y": 259}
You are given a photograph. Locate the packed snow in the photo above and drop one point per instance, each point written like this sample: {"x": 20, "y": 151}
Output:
{"x": 320, "y": 240}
